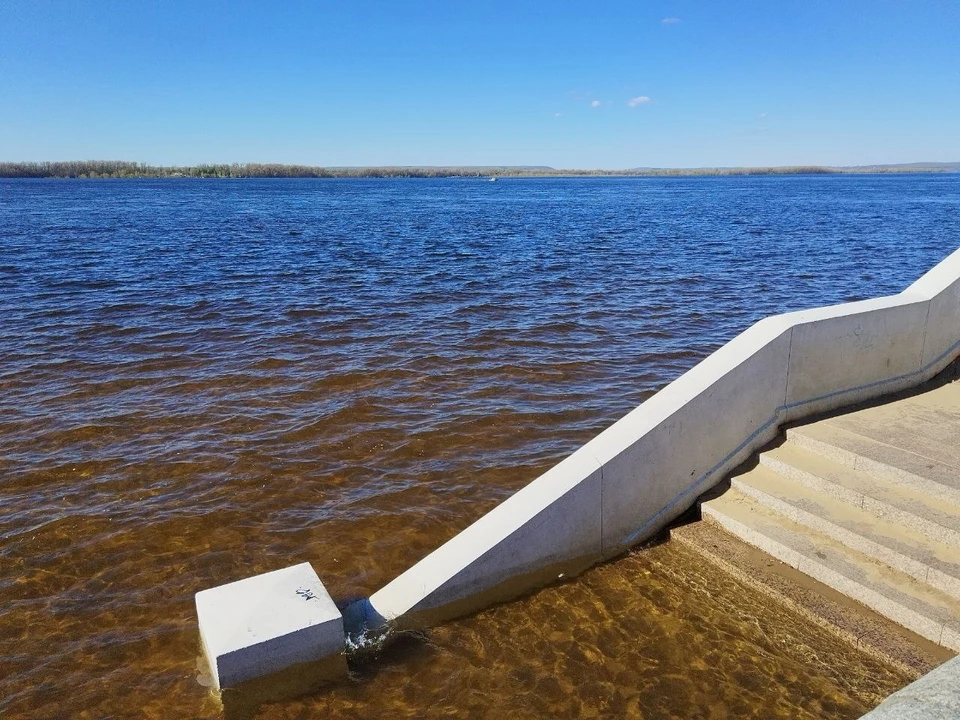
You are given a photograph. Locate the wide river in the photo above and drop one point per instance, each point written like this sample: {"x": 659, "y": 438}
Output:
{"x": 204, "y": 380}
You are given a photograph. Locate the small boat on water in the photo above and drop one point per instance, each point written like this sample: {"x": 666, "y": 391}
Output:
{"x": 493, "y": 179}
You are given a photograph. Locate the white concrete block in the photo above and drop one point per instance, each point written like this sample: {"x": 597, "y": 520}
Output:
{"x": 267, "y": 623}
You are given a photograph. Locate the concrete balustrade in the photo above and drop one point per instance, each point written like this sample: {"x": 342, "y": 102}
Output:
{"x": 942, "y": 287}
{"x": 629, "y": 482}
{"x": 656, "y": 460}
{"x": 935, "y": 696}
{"x": 849, "y": 353}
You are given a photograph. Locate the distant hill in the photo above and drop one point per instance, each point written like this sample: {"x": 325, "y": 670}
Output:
{"x": 692, "y": 172}
{"x": 803, "y": 169}
{"x": 907, "y": 167}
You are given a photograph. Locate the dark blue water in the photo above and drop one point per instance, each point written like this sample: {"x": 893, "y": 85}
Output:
{"x": 200, "y": 380}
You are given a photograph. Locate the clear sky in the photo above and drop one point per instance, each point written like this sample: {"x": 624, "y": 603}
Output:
{"x": 573, "y": 84}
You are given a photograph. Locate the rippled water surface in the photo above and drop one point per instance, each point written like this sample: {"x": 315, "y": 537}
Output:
{"x": 203, "y": 380}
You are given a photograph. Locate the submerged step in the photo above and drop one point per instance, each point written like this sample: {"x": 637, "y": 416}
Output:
{"x": 902, "y": 548}
{"x": 924, "y": 610}
{"x": 936, "y": 518}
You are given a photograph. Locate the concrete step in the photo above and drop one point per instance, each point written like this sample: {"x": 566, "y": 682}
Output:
{"x": 925, "y": 425}
{"x": 901, "y": 547}
{"x": 935, "y": 517}
{"x": 931, "y": 476}
{"x": 896, "y": 595}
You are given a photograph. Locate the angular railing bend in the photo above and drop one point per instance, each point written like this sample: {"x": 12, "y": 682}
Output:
{"x": 630, "y": 481}
{"x": 619, "y": 489}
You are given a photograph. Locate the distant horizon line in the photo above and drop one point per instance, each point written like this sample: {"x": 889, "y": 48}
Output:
{"x": 63, "y": 169}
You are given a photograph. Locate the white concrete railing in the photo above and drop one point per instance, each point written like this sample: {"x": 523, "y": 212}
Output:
{"x": 630, "y": 481}
{"x": 935, "y": 696}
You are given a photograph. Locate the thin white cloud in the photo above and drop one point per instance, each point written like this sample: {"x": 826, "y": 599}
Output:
{"x": 638, "y": 100}
{"x": 762, "y": 115}
{"x": 595, "y": 103}
{"x": 670, "y": 20}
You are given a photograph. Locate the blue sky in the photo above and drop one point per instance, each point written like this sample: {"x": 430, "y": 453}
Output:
{"x": 600, "y": 84}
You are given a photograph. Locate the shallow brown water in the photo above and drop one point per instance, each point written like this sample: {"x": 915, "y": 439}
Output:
{"x": 659, "y": 633}
{"x": 204, "y": 381}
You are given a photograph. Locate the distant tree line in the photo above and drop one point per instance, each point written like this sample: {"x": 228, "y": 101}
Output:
{"x": 123, "y": 169}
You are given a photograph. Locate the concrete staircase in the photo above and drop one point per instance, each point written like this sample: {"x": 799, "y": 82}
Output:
{"x": 867, "y": 503}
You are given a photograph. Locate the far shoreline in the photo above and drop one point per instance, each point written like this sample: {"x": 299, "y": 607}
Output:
{"x": 110, "y": 169}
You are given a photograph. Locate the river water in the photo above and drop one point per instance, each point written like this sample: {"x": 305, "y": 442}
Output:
{"x": 204, "y": 380}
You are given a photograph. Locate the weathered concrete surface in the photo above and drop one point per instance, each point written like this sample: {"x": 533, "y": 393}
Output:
{"x": 942, "y": 286}
{"x": 889, "y": 592}
{"x": 849, "y": 353}
{"x": 924, "y": 426}
{"x": 935, "y": 696}
{"x": 267, "y": 623}
{"x": 868, "y": 503}
{"x": 932, "y": 477}
{"x": 890, "y": 540}
{"x": 649, "y": 467}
